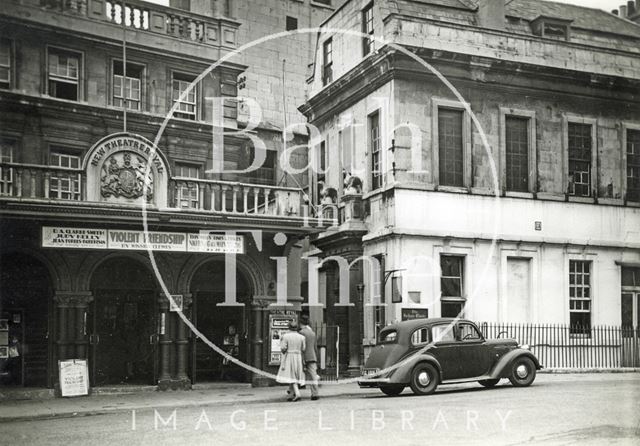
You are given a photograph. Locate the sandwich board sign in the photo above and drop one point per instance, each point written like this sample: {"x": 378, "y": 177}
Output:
{"x": 74, "y": 377}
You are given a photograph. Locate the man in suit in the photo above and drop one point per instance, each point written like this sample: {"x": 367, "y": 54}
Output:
{"x": 310, "y": 356}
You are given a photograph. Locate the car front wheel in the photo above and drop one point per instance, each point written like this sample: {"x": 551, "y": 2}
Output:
{"x": 424, "y": 379}
{"x": 523, "y": 372}
{"x": 392, "y": 390}
{"x": 489, "y": 382}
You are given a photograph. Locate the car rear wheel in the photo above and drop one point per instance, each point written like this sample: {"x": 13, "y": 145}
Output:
{"x": 489, "y": 382}
{"x": 523, "y": 372}
{"x": 392, "y": 390}
{"x": 424, "y": 379}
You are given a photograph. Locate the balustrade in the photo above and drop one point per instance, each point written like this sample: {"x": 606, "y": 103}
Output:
{"x": 150, "y": 17}
{"x": 32, "y": 181}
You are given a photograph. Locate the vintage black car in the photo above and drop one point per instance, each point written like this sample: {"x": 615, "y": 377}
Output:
{"x": 424, "y": 353}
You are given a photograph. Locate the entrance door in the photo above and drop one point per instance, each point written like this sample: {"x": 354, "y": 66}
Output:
{"x": 123, "y": 337}
{"x": 226, "y": 327}
{"x": 122, "y": 324}
{"x": 630, "y": 329}
{"x": 25, "y": 308}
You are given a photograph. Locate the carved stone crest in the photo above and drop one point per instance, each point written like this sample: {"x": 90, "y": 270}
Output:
{"x": 123, "y": 175}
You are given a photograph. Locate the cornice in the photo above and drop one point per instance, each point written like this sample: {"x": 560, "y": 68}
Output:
{"x": 105, "y": 215}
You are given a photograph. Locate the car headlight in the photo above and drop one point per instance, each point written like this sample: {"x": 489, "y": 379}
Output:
{"x": 525, "y": 346}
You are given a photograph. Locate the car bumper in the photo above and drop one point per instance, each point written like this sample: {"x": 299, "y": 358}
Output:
{"x": 373, "y": 382}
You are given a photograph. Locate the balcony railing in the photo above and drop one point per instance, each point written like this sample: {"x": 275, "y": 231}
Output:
{"x": 236, "y": 198}
{"x": 37, "y": 182}
{"x": 145, "y": 16}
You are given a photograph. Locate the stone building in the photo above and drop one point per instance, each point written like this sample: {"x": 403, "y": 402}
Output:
{"x": 498, "y": 180}
{"x": 89, "y": 151}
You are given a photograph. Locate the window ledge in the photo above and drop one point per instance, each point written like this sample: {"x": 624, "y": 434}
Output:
{"x": 550, "y": 196}
{"x": 611, "y": 201}
{"x": 519, "y": 194}
{"x": 482, "y": 191}
{"x": 590, "y": 200}
{"x": 633, "y": 204}
{"x": 453, "y": 299}
{"x": 454, "y": 189}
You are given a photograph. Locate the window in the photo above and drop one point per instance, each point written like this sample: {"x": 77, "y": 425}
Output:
{"x": 64, "y": 74}
{"x": 5, "y": 63}
{"x": 469, "y": 333}
{"x": 388, "y": 337}
{"x": 7, "y": 148}
{"x": 188, "y": 193}
{"x": 552, "y": 28}
{"x": 376, "y": 153}
{"x": 420, "y": 337}
{"x": 633, "y": 165}
{"x": 517, "y": 153}
{"x": 327, "y": 62}
{"x": 292, "y": 23}
{"x": 322, "y": 164}
{"x": 187, "y": 104}
{"x": 132, "y": 86}
{"x": 64, "y": 185}
{"x": 367, "y": 28}
{"x": 555, "y": 31}
{"x": 451, "y": 286}
{"x": 450, "y": 147}
{"x": 443, "y": 333}
{"x": 265, "y": 174}
{"x": 579, "y": 297}
{"x": 579, "y": 159}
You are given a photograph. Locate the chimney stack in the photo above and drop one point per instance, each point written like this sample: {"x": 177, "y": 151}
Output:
{"x": 614, "y": 12}
{"x": 631, "y": 8}
{"x": 491, "y": 14}
{"x": 623, "y": 11}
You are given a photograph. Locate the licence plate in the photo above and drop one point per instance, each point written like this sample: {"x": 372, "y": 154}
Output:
{"x": 371, "y": 372}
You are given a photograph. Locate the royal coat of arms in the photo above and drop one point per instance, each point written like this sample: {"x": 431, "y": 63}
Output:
{"x": 123, "y": 175}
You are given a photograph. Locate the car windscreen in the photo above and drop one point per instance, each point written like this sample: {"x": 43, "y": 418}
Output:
{"x": 388, "y": 337}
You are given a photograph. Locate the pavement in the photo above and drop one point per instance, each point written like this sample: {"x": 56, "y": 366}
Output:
{"x": 125, "y": 400}
{"x": 128, "y": 398}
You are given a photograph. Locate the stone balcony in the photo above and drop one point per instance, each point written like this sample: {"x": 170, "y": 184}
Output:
{"x": 47, "y": 190}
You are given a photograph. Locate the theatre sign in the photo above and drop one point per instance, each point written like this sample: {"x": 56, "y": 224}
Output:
{"x": 125, "y": 239}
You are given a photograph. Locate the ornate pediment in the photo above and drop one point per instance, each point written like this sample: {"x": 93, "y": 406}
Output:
{"x": 126, "y": 168}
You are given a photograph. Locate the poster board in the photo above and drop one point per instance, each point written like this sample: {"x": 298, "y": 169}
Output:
{"x": 74, "y": 377}
{"x": 278, "y": 325}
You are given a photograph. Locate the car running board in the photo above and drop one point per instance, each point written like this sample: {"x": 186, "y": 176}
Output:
{"x": 466, "y": 380}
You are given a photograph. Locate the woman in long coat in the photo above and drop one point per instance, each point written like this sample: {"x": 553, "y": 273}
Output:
{"x": 292, "y": 346}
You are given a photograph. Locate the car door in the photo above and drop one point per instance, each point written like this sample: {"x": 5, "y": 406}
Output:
{"x": 473, "y": 353}
{"x": 445, "y": 350}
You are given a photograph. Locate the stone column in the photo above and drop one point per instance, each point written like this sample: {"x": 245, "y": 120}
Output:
{"x": 164, "y": 344}
{"x": 182, "y": 344}
{"x": 258, "y": 309}
{"x": 70, "y": 307}
{"x": 61, "y": 340}
{"x": 79, "y": 306}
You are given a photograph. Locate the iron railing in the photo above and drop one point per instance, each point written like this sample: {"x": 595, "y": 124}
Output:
{"x": 565, "y": 346}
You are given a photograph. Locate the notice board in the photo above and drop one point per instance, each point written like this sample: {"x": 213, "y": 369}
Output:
{"x": 74, "y": 377}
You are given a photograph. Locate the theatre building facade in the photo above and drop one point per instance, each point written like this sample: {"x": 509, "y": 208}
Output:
{"x": 89, "y": 191}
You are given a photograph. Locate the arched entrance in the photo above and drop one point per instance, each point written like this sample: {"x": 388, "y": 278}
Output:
{"x": 25, "y": 306}
{"x": 122, "y": 324}
{"x": 227, "y": 327}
